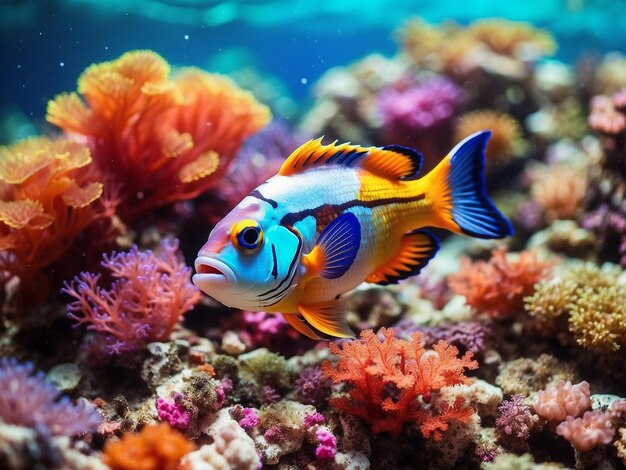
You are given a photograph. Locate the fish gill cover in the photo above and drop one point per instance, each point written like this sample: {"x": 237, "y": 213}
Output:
{"x": 499, "y": 354}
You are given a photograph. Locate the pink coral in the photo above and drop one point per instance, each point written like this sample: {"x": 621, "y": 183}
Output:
{"x": 250, "y": 419}
{"x": 392, "y": 381}
{"x": 516, "y": 419}
{"x": 149, "y": 294}
{"x": 313, "y": 420}
{"x": 327, "y": 447}
{"x": 173, "y": 412}
{"x": 587, "y": 432}
{"x": 562, "y": 400}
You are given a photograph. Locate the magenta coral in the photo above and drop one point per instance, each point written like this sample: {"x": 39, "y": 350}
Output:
{"x": 587, "y": 432}
{"x": 562, "y": 400}
{"x": 28, "y": 400}
{"x": 250, "y": 419}
{"x": 173, "y": 412}
{"x": 327, "y": 447}
{"x": 313, "y": 387}
{"x": 313, "y": 420}
{"x": 516, "y": 419}
{"x": 149, "y": 294}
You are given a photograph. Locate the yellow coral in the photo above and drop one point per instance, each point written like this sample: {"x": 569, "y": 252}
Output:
{"x": 506, "y": 134}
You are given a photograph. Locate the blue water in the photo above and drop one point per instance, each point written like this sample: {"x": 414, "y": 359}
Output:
{"x": 47, "y": 44}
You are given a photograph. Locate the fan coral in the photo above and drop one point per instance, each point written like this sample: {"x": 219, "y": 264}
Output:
{"x": 162, "y": 139}
{"x": 506, "y": 135}
{"x": 560, "y": 191}
{"x": 587, "y": 432}
{"x": 516, "y": 419}
{"x": 156, "y": 447}
{"x": 49, "y": 193}
{"x": 28, "y": 400}
{"x": 392, "y": 382}
{"x": 564, "y": 399}
{"x": 313, "y": 387}
{"x": 416, "y": 115}
{"x": 145, "y": 301}
{"x": 497, "y": 287}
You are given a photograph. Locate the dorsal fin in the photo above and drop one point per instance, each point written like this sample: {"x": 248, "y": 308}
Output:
{"x": 392, "y": 161}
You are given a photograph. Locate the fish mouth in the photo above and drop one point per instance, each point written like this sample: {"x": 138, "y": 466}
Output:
{"x": 212, "y": 273}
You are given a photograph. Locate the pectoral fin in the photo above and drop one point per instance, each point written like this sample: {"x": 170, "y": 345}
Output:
{"x": 301, "y": 327}
{"x": 328, "y": 317}
{"x": 336, "y": 248}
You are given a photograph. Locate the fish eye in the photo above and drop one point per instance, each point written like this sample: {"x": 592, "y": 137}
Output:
{"x": 247, "y": 236}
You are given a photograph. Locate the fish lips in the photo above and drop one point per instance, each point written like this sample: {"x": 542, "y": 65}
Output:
{"x": 212, "y": 275}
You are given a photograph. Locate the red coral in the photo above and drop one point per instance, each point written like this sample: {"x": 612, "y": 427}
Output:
{"x": 147, "y": 299}
{"x": 497, "y": 287}
{"x": 162, "y": 139}
{"x": 393, "y": 381}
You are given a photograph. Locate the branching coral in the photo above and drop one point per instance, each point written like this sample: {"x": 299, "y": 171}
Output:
{"x": 28, "y": 400}
{"x": 506, "y": 135}
{"x": 516, "y": 420}
{"x": 162, "y": 139}
{"x": 49, "y": 193}
{"x": 149, "y": 294}
{"x": 497, "y": 287}
{"x": 392, "y": 381}
{"x": 156, "y": 447}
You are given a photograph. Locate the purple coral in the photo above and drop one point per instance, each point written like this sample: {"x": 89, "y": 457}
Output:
{"x": 28, "y": 400}
{"x": 327, "y": 447}
{"x": 610, "y": 227}
{"x": 149, "y": 294}
{"x": 516, "y": 419}
{"x": 173, "y": 412}
{"x": 313, "y": 419}
{"x": 250, "y": 419}
{"x": 468, "y": 336}
{"x": 313, "y": 387}
{"x": 262, "y": 329}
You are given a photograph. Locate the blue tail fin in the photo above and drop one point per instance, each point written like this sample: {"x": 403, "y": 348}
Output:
{"x": 472, "y": 210}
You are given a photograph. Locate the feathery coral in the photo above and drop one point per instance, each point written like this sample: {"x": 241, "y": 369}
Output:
{"x": 49, "y": 193}
{"x": 497, "y": 287}
{"x": 145, "y": 301}
{"x": 392, "y": 382}
{"x": 163, "y": 139}
{"x": 516, "y": 419}
{"x": 28, "y": 400}
{"x": 156, "y": 447}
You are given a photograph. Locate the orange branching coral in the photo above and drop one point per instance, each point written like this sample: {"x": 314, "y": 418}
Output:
{"x": 560, "y": 191}
{"x": 156, "y": 447}
{"x": 49, "y": 193}
{"x": 505, "y": 141}
{"x": 497, "y": 287}
{"x": 392, "y": 382}
{"x": 162, "y": 139}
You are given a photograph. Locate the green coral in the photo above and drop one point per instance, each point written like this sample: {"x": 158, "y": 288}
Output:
{"x": 265, "y": 368}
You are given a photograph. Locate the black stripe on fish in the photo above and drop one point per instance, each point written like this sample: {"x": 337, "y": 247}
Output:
{"x": 275, "y": 292}
{"x": 275, "y": 267}
{"x": 294, "y": 217}
{"x": 257, "y": 194}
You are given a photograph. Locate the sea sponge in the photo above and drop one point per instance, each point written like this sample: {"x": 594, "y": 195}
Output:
{"x": 526, "y": 376}
{"x": 559, "y": 401}
{"x": 156, "y": 447}
{"x": 587, "y": 432}
{"x": 506, "y": 135}
{"x": 265, "y": 368}
{"x": 160, "y": 139}
{"x": 50, "y": 192}
{"x": 497, "y": 287}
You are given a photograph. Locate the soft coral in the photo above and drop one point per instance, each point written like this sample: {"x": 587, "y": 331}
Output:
{"x": 393, "y": 381}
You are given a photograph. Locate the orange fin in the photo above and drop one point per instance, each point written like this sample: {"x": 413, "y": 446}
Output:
{"x": 301, "y": 327}
{"x": 416, "y": 250}
{"x": 328, "y": 317}
{"x": 336, "y": 248}
{"x": 393, "y": 161}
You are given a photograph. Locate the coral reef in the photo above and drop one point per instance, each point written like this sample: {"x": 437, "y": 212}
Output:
{"x": 190, "y": 129}
{"x": 388, "y": 375}
{"x": 145, "y": 301}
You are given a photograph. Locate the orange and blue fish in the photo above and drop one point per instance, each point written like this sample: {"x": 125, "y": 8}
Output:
{"x": 337, "y": 215}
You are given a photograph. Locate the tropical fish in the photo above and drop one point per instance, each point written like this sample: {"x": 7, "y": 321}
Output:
{"x": 337, "y": 215}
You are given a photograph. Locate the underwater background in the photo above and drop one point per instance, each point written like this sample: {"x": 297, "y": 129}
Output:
{"x": 128, "y": 129}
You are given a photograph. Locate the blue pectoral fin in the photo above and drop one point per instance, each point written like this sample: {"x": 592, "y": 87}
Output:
{"x": 472, "y": 209}
{"x": 336, "y": 247}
